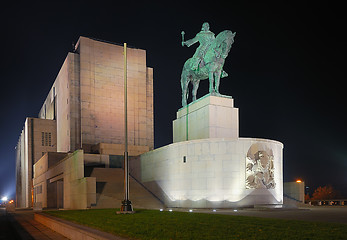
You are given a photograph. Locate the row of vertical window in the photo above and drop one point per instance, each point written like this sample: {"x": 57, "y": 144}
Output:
{"x": 46, "y": 139}
{"x": 38, "y": 190}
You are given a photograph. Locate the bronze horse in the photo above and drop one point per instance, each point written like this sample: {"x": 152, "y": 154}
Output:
{"x": 210, "y": 68}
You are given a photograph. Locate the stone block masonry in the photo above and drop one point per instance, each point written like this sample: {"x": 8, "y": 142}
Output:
{"x": 87, "y": 98}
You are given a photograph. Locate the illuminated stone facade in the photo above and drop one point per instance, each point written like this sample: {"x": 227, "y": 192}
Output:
{"x": 87, "y": 96}
{"x": 36, "y": 139}
{"x": 84, "y": 112}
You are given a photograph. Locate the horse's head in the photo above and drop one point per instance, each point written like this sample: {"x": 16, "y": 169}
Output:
{"x": 223, "y": 41}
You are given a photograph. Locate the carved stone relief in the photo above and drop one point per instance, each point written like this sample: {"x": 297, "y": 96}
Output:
{"x": 260, "y": 167}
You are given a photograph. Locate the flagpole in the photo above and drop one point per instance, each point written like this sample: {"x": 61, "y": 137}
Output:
{"x": 126, "y": 203}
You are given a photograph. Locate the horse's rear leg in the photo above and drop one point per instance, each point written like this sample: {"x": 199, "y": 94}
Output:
{"x": 217, "y": 81}
{"x": 210, "y": 77}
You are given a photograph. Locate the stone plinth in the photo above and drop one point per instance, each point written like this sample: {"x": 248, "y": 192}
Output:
{"x": 209, "y": 173}
{"x": 208, "y": 117}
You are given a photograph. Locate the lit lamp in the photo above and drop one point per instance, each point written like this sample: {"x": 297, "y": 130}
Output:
{"x": 298, "y": 181}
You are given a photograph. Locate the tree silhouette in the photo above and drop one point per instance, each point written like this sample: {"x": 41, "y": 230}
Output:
{"x": 324, "y": 193}
{"x": 307, "y": 197}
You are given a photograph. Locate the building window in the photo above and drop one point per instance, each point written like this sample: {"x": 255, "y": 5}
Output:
{"x": 38, "y": 190}
{"x": 46, "y": 139}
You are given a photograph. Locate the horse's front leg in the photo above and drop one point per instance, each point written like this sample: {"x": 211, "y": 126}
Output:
{"x": 195, "y": 89}
{"x": 185, "y": 93}
{"x": 217, "y": 80}
{"x": 210, "y": 77}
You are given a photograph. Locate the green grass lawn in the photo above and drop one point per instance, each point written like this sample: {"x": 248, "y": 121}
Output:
{"x": 153, "y": 224}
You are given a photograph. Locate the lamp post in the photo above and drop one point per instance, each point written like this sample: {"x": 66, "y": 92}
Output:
{"x": 126, "y": 203}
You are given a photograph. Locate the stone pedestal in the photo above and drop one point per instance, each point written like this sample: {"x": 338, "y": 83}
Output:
{"x": 208, "y": 117}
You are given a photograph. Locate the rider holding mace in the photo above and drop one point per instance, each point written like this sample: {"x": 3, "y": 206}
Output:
{"x": 205, "y": 37}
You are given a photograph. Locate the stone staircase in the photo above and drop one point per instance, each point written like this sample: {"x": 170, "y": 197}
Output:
{"x": 110, "y": 190}
{"x": 290, "y": 202}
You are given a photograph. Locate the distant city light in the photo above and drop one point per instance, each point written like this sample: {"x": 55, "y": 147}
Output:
{"x": 190, "y": 210}
{"x": 235, "y": 210}
{"x": 11, "y": 201}
{"x": 214, "y": 210}
{"x": 298, "y": 181}
{"x": 161, "y": 209}
{"x": 170, "y": 210}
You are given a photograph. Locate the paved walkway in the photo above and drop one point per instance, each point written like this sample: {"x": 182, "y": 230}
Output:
{"x": 27, "y": 228}
{"x": 6, "y": 230}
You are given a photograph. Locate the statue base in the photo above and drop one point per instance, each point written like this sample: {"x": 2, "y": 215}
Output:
{"x": 211, "y": 116}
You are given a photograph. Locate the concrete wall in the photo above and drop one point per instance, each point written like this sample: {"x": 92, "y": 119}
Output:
{"x": 60, "y": 182}
{"x": 102, "y": 94}
{"x": 118, "y": 149}
{"x": 295, "y": 190}
{"x": 207, "y": 173}
{"x": 110, "y": 190}
{"x": 63, "y": 104}
{"x": 78, "y": 191}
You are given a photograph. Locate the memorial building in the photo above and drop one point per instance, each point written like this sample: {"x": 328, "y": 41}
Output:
{"x": 81, "y": 127}
{"x": 71, "y": 156}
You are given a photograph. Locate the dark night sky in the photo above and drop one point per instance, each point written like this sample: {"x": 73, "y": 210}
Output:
{"x": 285, "y": 70}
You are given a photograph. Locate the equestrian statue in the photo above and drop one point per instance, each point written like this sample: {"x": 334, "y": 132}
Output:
{"x": 207, "y": 62}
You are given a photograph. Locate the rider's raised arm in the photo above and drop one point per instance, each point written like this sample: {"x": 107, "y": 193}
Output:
{"x": 190, "y": 42}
